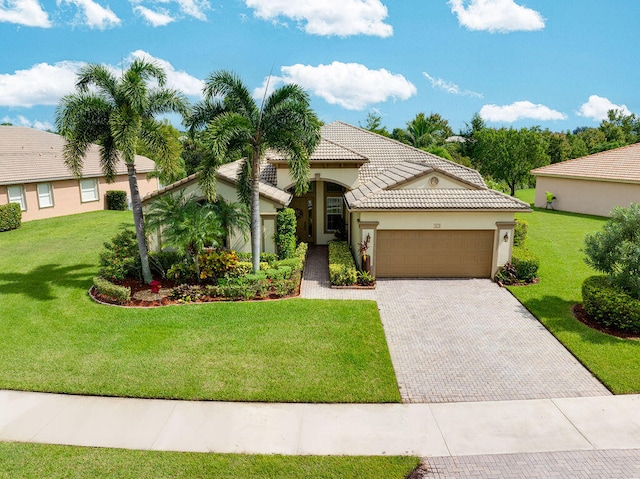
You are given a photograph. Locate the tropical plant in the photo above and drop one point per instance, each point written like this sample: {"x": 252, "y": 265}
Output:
{"x": 119, "y": 114}
{"x": 186, "y": 225}
{"x": 232, "y": 216}
{"x": 615, "y": 251}
{"x": 236, "y": 125}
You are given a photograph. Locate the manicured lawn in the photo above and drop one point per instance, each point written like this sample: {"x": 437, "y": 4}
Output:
{"x": 557, "y": 239}
{"x": 37, "y": 461}
{"x": 56, "y": 339}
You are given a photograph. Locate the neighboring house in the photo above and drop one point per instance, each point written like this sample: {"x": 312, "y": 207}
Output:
{"x": 593, "y": 184}
{"x": 34, "y": 175}
{"x": 425, "y": 216}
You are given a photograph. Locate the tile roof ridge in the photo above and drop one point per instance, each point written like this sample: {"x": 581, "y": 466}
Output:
{"x": 591, "y": 156}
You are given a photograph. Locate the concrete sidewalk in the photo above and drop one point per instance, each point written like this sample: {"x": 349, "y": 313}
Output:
{"x": 444, "y": 429}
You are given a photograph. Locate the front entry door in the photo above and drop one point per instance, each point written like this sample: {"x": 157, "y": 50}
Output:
{"x": 304, "y": 216}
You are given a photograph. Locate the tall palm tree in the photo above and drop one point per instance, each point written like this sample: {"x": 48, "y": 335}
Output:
{"x": 235, "y": 124}
{"x": 117, "y": 114}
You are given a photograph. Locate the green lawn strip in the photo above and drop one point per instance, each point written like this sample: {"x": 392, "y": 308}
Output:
{"x": 37, "y": 461}
{"x": 56, "y": 339}
{"x": 557, "y": 239}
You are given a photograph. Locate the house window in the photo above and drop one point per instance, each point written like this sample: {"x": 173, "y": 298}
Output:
{"x": 45, "y": 195}
{"x": 334, "y": 213}
{"x": 89, "y": 190}
{"x": 16, "y": 195}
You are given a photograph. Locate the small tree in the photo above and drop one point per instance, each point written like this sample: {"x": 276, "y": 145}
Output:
{"x": 286, "y": 233}
{"x": 615, "y": 251}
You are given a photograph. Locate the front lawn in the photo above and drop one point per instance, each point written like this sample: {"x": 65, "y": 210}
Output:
{"x": 557, "y": 239}
{"x": 56, "y": 339}
{"x": 37, "y": 461}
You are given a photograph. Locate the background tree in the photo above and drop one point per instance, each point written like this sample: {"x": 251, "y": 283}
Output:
{"x": 374, "y": 124}
{"x": 236, "y": 125}
{"x": 509, "y": 155}
{"x": 615, "y": 251}
{"x": 119, "y": 115}
{"x": 426, "y": 131}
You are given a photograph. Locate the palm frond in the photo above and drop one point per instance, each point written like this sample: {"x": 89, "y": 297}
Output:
{"x": 203, "y": 112}
{"x": 236, "y": 97}
{"x": 98, "y": 76}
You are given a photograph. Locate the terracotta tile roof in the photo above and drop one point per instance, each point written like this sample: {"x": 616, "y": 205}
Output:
{"x": 28, "y": 155}
{"x": 384, "y": 153}
{"x": 620, "y": 164}
{"x": 435, "y": 199}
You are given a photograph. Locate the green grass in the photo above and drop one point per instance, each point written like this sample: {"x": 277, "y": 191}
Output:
{"x": 557, "y": 239}
{"x": 55, "y": 339}
{"x": 37, "y": 461}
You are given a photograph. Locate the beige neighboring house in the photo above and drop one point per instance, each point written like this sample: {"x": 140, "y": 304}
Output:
{"x": 593, "y": 184}
{"x": 33, "y": 174}
{"x": 424, "y": 216}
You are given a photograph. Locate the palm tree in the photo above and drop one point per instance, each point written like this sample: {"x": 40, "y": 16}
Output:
{"x": 232, "y": 216}
{"x": 118, "y": 114}
{"x": 235, "y": 124}
{"x": 187, "y": 225}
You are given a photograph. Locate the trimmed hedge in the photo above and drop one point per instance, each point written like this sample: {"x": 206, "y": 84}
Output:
{"x": 10, "y": 217}
{"x": 286, "y": 233}
{"x": 609, "y": 305}
{"x": 120, "y": 294}
{"x": 116, "y": 200}
{"x": 342, "y": 267}
{"x": 520, "y": 232}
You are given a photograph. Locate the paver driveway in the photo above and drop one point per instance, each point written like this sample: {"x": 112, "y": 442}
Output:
{"x": 463, "y": 340}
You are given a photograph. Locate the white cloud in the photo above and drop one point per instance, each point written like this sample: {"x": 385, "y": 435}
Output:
{"x": 328, "y": 17}
{"x": 42, "y": 84}
{"x": 93, "y": 14}
{"x": 450, "y": 87}
{"x": 24, "y": 121}
{"x": 351, "y": 85}
{"x": 194, "y": 8}
{"x": 496, "y": 15}
{"x": 520, "y": 110}
{"x": 597, "y": 107}
{"x": 24, "y": 12}
{"x": 154, "y": 18}
{"x": 179, "y": 80}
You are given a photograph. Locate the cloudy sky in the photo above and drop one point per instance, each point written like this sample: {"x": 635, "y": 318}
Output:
{"x": 557, "y": 64}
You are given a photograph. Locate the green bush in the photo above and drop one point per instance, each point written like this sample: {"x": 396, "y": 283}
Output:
{"x": 520, "y": 232}
{"x": 523, "y": 268}
{"x": 238, "y": 288}
{"x": 286, "y": 233}
{"x": 264, "y": 257}
{"x": 342, "y": 267}
{"x": 187, "y": 293}
{"x": 162, "y": 261}
{"x": 121, "y": 257}
{"x": 10, "y": 217}
{"x": 283, "y": 272}
{"x": 120, "y": 294}
{"x": 609, "y": 305}
{"x": 301, "y": 251}
{"x": 116, "y": 200}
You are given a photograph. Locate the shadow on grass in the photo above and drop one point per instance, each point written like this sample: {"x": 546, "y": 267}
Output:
{"x": 557, "y": 316}
{"x": 568, "y": 213}
{"x": 39, "y": 283}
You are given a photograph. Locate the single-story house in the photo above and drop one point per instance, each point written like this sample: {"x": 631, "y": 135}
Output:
{"x": 34, "y": 175}
{"x": 593, "y": 184}
{"x": 424, "y": 216}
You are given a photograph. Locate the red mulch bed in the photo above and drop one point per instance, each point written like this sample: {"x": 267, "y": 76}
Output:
{"x": 139, "y": 287}
{"x": 581, "y": 315}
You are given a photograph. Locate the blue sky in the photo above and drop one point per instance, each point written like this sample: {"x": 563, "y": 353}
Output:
{"x": 557, "y": 64}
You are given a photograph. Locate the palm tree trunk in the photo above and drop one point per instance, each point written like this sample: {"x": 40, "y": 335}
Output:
{"x": 138, "y": 219}
{"x": 255, "y": 213}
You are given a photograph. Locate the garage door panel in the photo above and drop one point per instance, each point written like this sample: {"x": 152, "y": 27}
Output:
{"x": 452, "y": 254}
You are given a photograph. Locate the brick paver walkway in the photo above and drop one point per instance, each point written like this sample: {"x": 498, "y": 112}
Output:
{"x": 610, "y": 464}
{"x": 463, "y": 340}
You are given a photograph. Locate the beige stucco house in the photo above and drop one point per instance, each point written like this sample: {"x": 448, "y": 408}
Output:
{"x": 424, "y": 216}
{"x": 593, "y": 184}
{"x": 33, "y": 174}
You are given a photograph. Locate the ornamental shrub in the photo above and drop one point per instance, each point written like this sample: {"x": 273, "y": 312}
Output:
{"x": 120, "y": 294}
{"x": 10, "y": 217}
{"x": 609, "y": 305}
{"x": 116, "y": 200}
{"x": 520, "y": 232}
{"x": 342, "y": 267}
{"x": 523, "y": 268}
{"x": 286, "y": 233}
{"x": 216, "y": 263}
{"x": 121, "y": 257}
{"x": 162, "y": 261}
{"x": 615, "y": 251}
